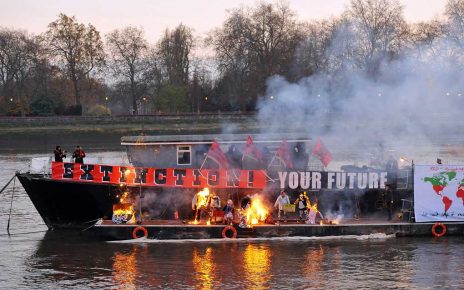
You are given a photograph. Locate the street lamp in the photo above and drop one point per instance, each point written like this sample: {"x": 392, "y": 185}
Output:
{"x": 144, "y": 105}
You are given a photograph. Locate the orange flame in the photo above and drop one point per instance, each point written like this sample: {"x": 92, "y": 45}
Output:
{"x": 202, "y": 198}
{"x": 125, "y": 210}
{"x": 257, "y": 212}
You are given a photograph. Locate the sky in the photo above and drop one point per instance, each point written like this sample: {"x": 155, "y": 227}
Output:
{"x": 157, "y": 15}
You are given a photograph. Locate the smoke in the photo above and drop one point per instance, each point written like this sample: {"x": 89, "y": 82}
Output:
{"x": 409, "y": 107}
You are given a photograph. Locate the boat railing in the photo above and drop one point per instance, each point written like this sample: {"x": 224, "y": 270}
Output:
{"x": 41, "y": 165}
{"x": 404, "y": 179}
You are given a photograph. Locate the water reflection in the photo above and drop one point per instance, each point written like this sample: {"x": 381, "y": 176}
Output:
{"x": 256, "y": 265}
{"x": 125, "y": 269}
{"x": 313, "y": 265}
{"x": 204, "y": 268}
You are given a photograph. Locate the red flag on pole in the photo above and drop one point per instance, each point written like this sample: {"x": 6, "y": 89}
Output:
{"x": 322, "y": 152}
{"x": 215, "y": 153}
{"x": 284, "y": 154}
{"x": 250, "y": 150}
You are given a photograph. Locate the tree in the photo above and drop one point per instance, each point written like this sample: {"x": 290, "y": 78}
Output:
{"x": 78, "y": 48}
{"x": 254, "y": 44}
{"x": 128, "y": 49}
{"x": 18, "y": 53}
{"x": 174, "y": 53}
{"x": 311, "y": 55}
{"x": 379, "y": 28}
{"x": 455, "y": 14}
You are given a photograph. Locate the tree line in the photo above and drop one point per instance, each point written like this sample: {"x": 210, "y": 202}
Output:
{"x": 72, "y": 68}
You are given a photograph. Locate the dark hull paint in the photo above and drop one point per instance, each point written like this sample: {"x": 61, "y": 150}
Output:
{"x": 69, "y": 205}
{"x": 179, "y": 232}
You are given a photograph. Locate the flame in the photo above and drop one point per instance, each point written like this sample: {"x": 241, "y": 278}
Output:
{"x": 202, "y": 198}
{"x": 123, "y": 198}
{"x": 257, "y": 212}
{"x": 336, "y": 221}
{"x": 124, "y": 212}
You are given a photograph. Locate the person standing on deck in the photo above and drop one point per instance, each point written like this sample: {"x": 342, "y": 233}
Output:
{"x": 59, "y": 154}
{"x": 78, "y": 155}
{"x": 229, "y": 212}
{"x": 302, "y": 205}
{"x": 279, "y": 204}
{"x": 389, "y": 201}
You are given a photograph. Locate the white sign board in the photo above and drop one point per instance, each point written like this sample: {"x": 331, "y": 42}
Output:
{"x": 439, "y": 193}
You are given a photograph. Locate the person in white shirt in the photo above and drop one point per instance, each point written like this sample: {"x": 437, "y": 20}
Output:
{"x": 279, "y": 204}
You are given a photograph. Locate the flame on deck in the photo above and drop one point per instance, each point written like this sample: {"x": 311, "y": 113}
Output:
{"x": 257, "y": 212}
{"x": 202, "y": 198}
{"x": 123, "y": 213}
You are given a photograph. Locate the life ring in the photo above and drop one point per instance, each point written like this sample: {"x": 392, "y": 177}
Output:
{"x": 434, "y": 230}
{"x": 229, "y": 228}
{"x": 137, "y": 229}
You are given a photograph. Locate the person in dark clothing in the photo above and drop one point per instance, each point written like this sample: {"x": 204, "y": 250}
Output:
{"x": 302, "y": 206}
{"x": 246, "y": 202}
{"x": 229, "y": 212}
{"x": 78, "y": 155}
{"x": 59, "y": 154}
{"x": 389, "y": 201}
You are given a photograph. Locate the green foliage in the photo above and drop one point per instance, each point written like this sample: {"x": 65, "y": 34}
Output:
{"x": 171, "y": 98}
{"x": 42, "y": 107}
{"x": 99, "y": 110}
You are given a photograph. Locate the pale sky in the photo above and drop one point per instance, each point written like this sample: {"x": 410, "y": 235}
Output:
{"x": 156, "y": 15}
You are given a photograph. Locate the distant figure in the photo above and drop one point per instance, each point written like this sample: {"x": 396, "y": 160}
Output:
{"x": 78, "y": 155}
{"x": 215, "y": 202}
{"x": 59, "y": 154}
{"x": 302, "y": 205}
{"x": 279, "y": 204}
{"x": 246, "y": 202}
{"x": 389, "y": 201}
{"x": 229, "y": 212}
{"x": 439, "y": 161}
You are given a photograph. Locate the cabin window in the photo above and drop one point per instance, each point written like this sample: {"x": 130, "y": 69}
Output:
{"x": 184, "y": 154}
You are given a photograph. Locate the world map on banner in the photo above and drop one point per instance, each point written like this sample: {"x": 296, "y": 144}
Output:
{"x": 439, "y": 193}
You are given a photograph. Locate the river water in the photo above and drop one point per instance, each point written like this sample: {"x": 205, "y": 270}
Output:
{"x": 32, "y": 258}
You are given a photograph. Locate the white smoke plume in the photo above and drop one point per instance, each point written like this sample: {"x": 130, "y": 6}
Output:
{"x": 413, "y": 105}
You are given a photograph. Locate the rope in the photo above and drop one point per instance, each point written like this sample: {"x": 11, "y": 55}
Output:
{"x": 96, "y": 221}
{"x": 8, "y": 183}
{"x": 11, "y": 207}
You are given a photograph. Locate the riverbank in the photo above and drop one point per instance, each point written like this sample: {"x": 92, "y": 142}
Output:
{"x": 39, "y": 134}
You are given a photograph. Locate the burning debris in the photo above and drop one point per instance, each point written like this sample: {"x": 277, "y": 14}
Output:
{"x": 123, "y": 212}
{"x": 255, "y": 212}
{"x": 200, "y": 204}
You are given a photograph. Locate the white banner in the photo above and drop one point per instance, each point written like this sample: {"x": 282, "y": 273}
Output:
{"x": 439, "y": 193}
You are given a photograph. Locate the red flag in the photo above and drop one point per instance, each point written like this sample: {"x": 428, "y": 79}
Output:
{"x": 250, "y": 150}
{"x": 215, "y": 153}
{"x": 322, "y": 152}
{"x": 284, "y": 154}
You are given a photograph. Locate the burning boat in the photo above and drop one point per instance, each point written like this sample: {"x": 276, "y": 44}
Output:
{"x": 177, "y": 186}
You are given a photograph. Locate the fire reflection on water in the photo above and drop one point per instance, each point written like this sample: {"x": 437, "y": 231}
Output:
{"x": 314, "y": 266}
{"x": 257, "y": 264}
{"x": 205, "y": 268}
{"x": 125, "y": 270}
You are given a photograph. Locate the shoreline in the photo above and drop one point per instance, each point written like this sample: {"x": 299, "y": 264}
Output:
{"x": 42, "y": 134}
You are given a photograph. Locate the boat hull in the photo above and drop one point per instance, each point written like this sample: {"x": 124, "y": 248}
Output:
{"x": 67, "y": 204}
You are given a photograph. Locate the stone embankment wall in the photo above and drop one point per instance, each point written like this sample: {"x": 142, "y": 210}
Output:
{"x": 124, "y": 119}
